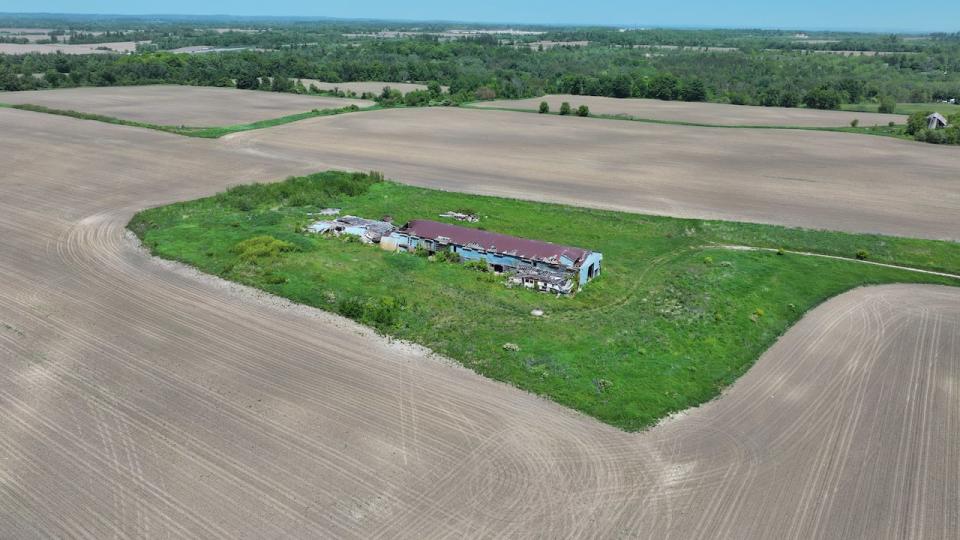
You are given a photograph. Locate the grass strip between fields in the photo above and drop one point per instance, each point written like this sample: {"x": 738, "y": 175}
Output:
{"x": 673, "y": 319}
{"x": 202, "y": 132}
{"x": 897, "y": 131}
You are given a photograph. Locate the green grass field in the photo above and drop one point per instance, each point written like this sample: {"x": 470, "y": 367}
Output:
{"x": 673, "y": 319}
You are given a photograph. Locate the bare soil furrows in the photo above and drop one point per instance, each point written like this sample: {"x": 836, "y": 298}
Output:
{"x": 721, "y": 114}
{"x": 172, "y": 105}
{"x": 812, "y": 179}
{"x": 141, "y": 399}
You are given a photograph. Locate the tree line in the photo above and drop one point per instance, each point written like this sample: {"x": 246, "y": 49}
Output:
{"x": 485, "y": 67}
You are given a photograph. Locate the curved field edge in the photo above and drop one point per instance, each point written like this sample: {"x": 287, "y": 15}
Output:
{"x": 672, "y": 321}
{"x": 188, "y": 131}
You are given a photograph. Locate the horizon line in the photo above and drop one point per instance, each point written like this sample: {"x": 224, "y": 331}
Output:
{"x": 632, "y": 26}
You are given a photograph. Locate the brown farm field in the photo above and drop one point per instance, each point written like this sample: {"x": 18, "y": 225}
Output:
{"x": 66, "y": 48}
{"x": 720, "y": 114}
{"x": 138, "y": 398}
{"x": 196, "y": 106}
{"x": 813, "y": 179}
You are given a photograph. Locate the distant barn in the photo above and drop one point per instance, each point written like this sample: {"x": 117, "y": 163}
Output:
{"x": 936, "y": 121}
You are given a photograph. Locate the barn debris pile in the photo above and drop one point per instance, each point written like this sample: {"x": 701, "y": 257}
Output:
{"x": 459, "y": 216}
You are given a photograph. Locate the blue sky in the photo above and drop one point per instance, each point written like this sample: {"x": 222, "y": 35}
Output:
{"x": 881, "y": 15}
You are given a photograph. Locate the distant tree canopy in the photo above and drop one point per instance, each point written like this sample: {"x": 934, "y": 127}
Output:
{"x": 823, "y": 97}
{"x": 753, "y": 67}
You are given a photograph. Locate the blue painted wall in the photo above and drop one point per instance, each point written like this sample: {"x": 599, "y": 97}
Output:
{"x": 592, "y": 259}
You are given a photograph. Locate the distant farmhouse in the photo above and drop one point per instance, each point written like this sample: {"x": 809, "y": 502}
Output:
{"x": 936, "y": 121}
{"x": 534, "y": 264}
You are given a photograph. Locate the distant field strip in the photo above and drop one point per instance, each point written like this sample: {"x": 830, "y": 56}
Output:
{"x": 178, "y": 105}
{"x": 886, "y": 131}
{"x": 701, "y": 113}
{"x": 202, "y": 132}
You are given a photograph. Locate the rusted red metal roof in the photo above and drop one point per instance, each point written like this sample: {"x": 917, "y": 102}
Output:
{"x": 495, "y": 242}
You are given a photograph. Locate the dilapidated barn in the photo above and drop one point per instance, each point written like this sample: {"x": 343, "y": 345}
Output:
{"x": 541, "y": 265}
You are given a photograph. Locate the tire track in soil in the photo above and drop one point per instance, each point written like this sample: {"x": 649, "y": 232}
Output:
{"x": 138, "y": 399}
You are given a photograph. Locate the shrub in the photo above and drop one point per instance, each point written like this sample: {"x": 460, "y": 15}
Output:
{"x": 261, "y": 247}
{"x": 780, "y": 251}
{"x": 917, "y": 122}
{"x": 565, "y": 108}
{"x": 447, "y": 256}
{"x": 417, "y": 98}
{"x": 862, "y": 254}
{"x": 421, "y": 251}
{"x": 389, "y": 97}
{"x": 485, "y": 92}
{"x": 351, "y": 308}
{"x": 316, "y": 189}
{"x": 602, "y": 385}
{"x": 479, "y": 266}
{"x": 887, "y": 105}
{"x": 544, "y": 107}
{"x": 380, "y": 313}
{"x": 583, "y": 110}
{"x": 855, "y": 122}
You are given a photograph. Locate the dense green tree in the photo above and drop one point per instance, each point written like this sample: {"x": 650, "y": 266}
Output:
{"x": 852, "y": 88}
{"x": 583, "y": 110}
{"x": 917, "y": 122}
{"x": 417, "y": 98}
{"x": 621, "y": 86}
{"x": 887, "y": 105}
{"x": 564, "y": 108}
{"x": 823, "y": 97}
{"x": 694, "y": 90}
{"x": 664, "y": 86}
{"x": 280, "y": 83}
{"x": 544, "y": 107}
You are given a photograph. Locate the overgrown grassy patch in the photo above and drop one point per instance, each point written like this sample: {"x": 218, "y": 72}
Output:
{"x": 672, "y": 320}
{"x": 202, "y": 132}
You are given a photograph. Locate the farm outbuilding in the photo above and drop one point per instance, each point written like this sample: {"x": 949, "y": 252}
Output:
{"x": 540, "y": 265}
{"x": 936, "y": 121}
